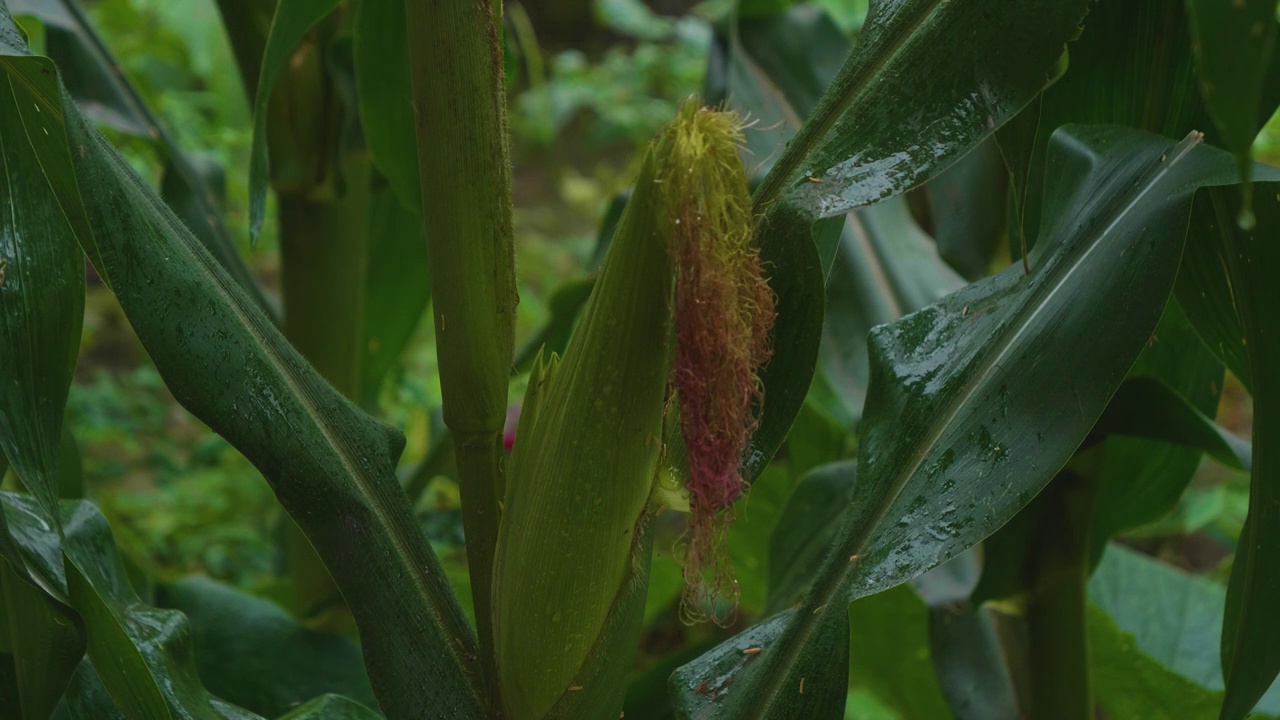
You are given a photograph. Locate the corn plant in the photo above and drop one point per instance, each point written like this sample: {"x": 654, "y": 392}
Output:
{"x": 968, "y": 283}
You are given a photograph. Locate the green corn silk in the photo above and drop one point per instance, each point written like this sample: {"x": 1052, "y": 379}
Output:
{"x": 573, "y": 551}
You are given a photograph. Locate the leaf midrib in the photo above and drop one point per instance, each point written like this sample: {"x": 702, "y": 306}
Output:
{"x": 299, "y": 391}
{"x": 1048, "y": 291}
{"x": 815, "y": 131}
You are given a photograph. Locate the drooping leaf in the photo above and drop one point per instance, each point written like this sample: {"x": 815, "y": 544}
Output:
{"x": 292, "y": 20}
{"x": 385, "y": 99}
{"x": 103, "y": 92}
{"x": 1251, "y": 632}
{"x": 331, "y": 465}
{"x": 960, "y": 431}
{"x": 41, "y": 286}
{"x": 252, "y": 653}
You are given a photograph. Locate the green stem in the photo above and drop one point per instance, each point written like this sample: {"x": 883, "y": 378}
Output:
{"x": 1060, "y": 687}
{"x": 459, "y": 98}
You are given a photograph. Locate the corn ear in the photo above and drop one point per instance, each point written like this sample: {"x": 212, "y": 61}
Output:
{"x": 584, "y": 461}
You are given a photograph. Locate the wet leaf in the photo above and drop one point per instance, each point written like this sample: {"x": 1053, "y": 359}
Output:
{"x": 332, "y": 466}
{"x": 959, "y": 432}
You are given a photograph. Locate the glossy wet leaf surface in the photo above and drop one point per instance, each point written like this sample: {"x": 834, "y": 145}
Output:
{"x": 331, "y": 465}
{"x": 969, "y": 415}
{"x": 867, "y": 137}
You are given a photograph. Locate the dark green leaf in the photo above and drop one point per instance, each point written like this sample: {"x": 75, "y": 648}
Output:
{"x": 1147, "y": 408}
{"x": 386, "y": 113}
{"x": 41, "y": 285}
{"x": 144, "y": 655}
{"x": 1204, "y": 289}
{"x": 968, "y": 207}
{"x": 1124, "y": 45}
{"x": 103, "y": 92}
{"x": 46, "y": 639}
{"x": 1142, "y": 476}
{"x": 885, "y": 268}
{"x": 88, "y": 699}
{"x": 332, "y": 466}
{"x": 1233, "y": 43}
{"x": 805, "y": 529}
{"x": 967, "y": 417}
{"x": 292, "y": 20}
{"x": 252, "y": 653}
{"x": 973, "y": 660}
{"x": 1251, "y": 633}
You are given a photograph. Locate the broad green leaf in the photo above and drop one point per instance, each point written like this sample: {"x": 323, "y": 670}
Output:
{"x": 46, "y": 640}
{"x": 1251, "y": 633}
{"x": 1233, "y": 42}
{"x": 292, "y": 20}
{"x": 867, "y": 139}
{"x": 144, "y": 655}
{"x": 886, "y": 267}
{"x": 41, "y": 284}
{"x": 386, "y": 110}
{"x": 1174, "y": 618}
{"x": 967, "y": 417}
{"x": 397, "y": 290}
{"x": 978, "y": 670}
{"x": 1142, "y": 476}
{"x": 970, "y": 65}
{"x": 145, "y": 652}
{"x": 1129, "y": 685}
{"x": 252, "y": 653}
{"x": 889, "y": 653}
{"x": 102, "y": 91}
{"x": 805, "y": 529}
{"x": 332, "y": 466}
{"x": 1204, "y": 291}
{"x": 1124, "y": 44}
{"x": 331, "y": 707}
{"x": 1145, "y": 407}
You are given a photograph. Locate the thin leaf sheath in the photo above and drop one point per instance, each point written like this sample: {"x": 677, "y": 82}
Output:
{"x": 459, "y": 98}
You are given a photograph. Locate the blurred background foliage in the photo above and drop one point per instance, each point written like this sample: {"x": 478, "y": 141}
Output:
{"x": 590, "y": 81}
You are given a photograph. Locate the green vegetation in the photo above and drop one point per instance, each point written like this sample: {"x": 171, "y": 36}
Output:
{"x": 721, "y": 360}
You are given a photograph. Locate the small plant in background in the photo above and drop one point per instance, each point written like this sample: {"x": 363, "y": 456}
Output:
{"x": 912, "y": 488}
